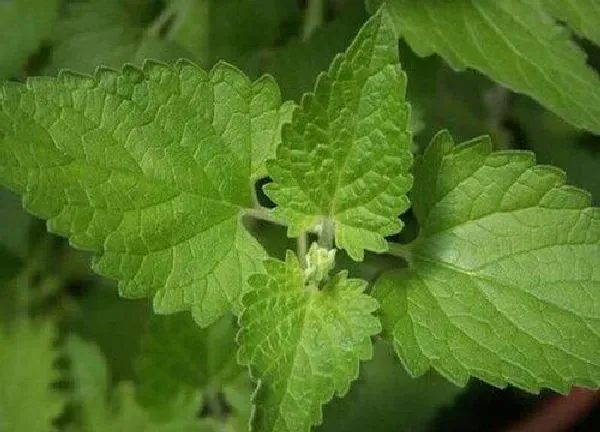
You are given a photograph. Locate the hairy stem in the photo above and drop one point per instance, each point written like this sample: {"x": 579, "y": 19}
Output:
{"x": 327, "y": 233}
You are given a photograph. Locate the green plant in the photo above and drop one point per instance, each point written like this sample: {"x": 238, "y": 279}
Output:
{"x": 154, "y": 169}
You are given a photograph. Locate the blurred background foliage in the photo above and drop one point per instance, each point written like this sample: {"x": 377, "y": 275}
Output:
{"x": 92, "y": 361}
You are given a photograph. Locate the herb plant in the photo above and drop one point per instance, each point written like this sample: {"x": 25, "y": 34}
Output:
{"x": 273, "y": 236}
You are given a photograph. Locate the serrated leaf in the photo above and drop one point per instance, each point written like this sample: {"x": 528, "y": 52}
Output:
{"x": 504, "y": 281}
{"x": 27, "y": 372}
{"x": 302, "y": 344}
{"x": 178, "y": 357}
{"x": 345, "y": 157}
{"x": 151, "y": 169}
{"x": 104, "y": 410}
{"x": 107, "y": 33}
{"x": 24, "y": 24}
{"x": 583, "y": 16}
{"x": 514, "y": 42}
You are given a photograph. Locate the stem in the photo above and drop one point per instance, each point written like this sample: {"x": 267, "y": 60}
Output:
{"x": 301, "y": 244}
{"x": 401, "y": 250}
{"x": 327, "y": 234}
{"x": 263, "y": 214}
{"x": 313, "y": 18}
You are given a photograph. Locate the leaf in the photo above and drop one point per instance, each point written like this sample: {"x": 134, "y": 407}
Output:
{"x": 345, "y": 157}
{"x": 24, "y": 25}
{"x": 301, "y": 343}
{"x": 504, "y": 283}
{"x": 373, "y": 401}
{"x": 28, "y": 357}
{"x": 151, "y": 169}
{"x": 108, "y": 33}
{"x": 177, "y": 357}
{"x": 227, "y": 29}
{"x": 120, "y": 412}
{"x": 582, "y": 16}
{"x": 514, "y": 42}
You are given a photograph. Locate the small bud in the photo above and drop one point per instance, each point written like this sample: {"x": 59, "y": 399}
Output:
{"x": 319, "y": 262}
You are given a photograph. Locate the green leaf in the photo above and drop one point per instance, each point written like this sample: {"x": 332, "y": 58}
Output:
{"x": 582, "y": 16}
{"x": 178, "y": 357}
{"x": 103, "y": 410}
{"x": 151, "y": 169}
{"x": 108, "y": 33}
{"x": 345, "y": 158}
{"x": 302, "y": 343}
{"x": 504, "y": 282}
{"x": 24, "y": 24}
{"x": 28, "y": 356}
{"x": 514, "y": 42}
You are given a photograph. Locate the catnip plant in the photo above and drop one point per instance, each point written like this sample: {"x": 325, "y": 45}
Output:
{"x": 158, "y": 169}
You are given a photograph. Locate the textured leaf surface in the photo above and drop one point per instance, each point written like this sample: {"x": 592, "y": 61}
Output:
{"x": 583, "y": 16}
{"x": 102, "y": 410}
{"x": 504, "y": 282}
{"x": 178, "y": 357}
{"x": 303, "y": 344}
{"x": 150, "y": 169}
{"x": 515, "y": 42}
{"x": 109, "y": 33}
{"x": 345, "y": 157}
{"x": 27, "y": 358}
{"x": 24, "y": 24}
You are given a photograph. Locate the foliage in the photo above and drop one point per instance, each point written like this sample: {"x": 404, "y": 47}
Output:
{"x": 148, "y": 135}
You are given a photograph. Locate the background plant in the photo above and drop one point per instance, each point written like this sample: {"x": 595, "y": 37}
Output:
{"x": 159, "y": 170}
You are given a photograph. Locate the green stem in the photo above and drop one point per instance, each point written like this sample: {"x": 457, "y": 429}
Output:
{"x": 263, "y": 214}
{"x": 313, "y": 18}
{"x": 327, "y": 234}
{"x": 301, "y": 245}
{"x": 401, "y": 250}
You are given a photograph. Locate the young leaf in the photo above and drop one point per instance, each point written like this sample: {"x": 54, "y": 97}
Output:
{"x": 345, "y": 158}
{"x": 28, "y": 357}
{"x": 583, "y": 16}
{"x": 151, "y": 169}
{"x": 514, "y": 42}
{"x": 301, "y": 343}
{"x": 24, "y": 24}
{"x": 504, "y": 282}
{"x": 177, "y": 357}
{"x": 107, "y": 33}
{"x": 120, "y": 412}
